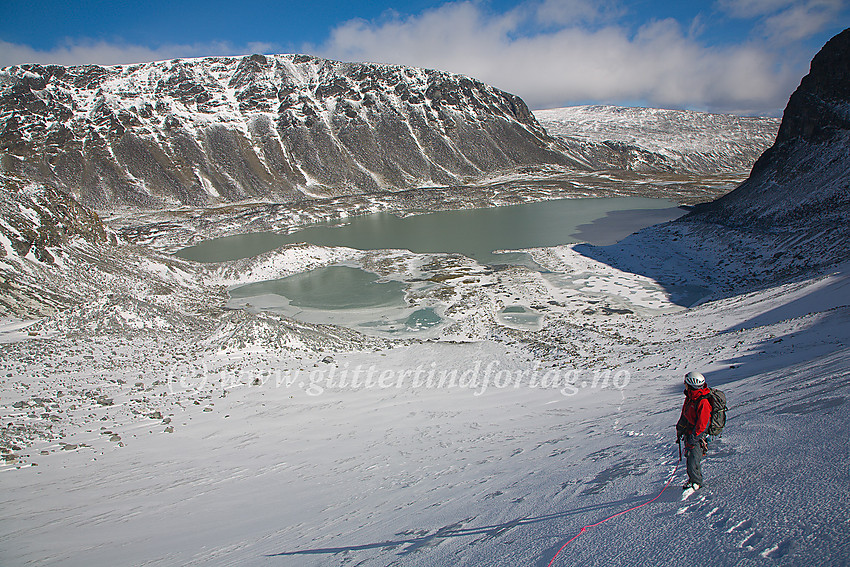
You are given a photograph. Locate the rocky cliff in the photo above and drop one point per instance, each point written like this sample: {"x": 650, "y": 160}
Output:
{"x": 803, "y": 180}
{"x": 36, "y": 219}
{"x": 41, "y": 230}
{"x": 225, "y": 129}
{"x": 789, "y": 219}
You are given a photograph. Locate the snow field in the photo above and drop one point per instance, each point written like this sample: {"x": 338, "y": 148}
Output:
{"x": 178, "y": 466}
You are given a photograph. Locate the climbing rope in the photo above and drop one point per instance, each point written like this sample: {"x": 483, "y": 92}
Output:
{"x": 584, "y": 529}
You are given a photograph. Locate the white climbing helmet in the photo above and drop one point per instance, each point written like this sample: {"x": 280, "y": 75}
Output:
{"x": 694, "y": 379}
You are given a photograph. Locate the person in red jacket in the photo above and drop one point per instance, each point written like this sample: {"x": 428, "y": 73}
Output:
{"x": 692, "y": 425}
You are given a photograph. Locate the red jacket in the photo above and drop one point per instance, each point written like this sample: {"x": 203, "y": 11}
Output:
{"x": 697, "y": 413}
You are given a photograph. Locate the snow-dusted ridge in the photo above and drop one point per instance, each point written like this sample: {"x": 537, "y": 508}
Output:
{"x": 651, "y": 139}
{"x": 288, "y": 127}
{"x": 279, "y": 127}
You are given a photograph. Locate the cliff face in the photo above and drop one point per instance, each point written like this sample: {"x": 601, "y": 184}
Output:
{"x": 803, "y": 180}
{"x": 41, "y": 230}
{"x": 225, "y": 129}
{"x": 37, "y": 218}
{"x": 820, "y": 107}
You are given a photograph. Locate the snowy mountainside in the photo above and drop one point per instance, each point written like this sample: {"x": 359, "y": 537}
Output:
{"x": 39, "y": 227}
{"x": 651, "y": 139}
{"x": 789, "y": 218}
{"x": 803, "y": 180}
{"x": 221, "y": 129}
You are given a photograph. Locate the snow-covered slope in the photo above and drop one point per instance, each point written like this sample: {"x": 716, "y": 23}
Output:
{"x": 280, "y": 127}
{"x": 651, "y": 139}
{"x": 158, "y": 449}
{"x": 803, "y": 180}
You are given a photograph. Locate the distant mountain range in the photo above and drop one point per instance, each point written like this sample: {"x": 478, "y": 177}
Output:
{"x": 225, "y": 129}
{"x": 658, "y": 140}
{"x": 287, "y": 127}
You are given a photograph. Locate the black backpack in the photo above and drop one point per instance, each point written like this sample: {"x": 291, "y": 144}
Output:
{"x": 717, "y": 399}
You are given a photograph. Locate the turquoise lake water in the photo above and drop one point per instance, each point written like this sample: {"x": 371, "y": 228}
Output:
{"x": 353, "y": 297}
{"x": 475, "y": 233}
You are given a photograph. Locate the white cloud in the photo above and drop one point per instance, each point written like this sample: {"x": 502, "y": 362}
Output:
{"x": 802, "y": 20}
{"x": 785, "y": 21}
{"x": 753, "y": 8}
{"x": 656, "y": 65}
{"x": 570, "y": 12}
{"x": 104, "y": 53}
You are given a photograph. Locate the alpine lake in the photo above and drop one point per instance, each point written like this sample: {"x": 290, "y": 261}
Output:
{"x": 354, "y": 297}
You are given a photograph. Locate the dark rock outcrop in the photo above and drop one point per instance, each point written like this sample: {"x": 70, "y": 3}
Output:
{"x": 789, "y": 219}
{"x": 225, "y": 129}
{"x": 819, "y": 106}
{"x": 803, "y": 180}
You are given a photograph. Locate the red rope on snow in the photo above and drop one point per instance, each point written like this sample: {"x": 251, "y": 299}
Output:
{"x": 584, "y": 529}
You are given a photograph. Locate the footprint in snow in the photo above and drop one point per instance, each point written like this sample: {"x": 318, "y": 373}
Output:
{"x": 753, "y": 537}
{"x": 703, "y": 493}
{"x": 720, "y": 523}
{"x": 751, "y": 541}
{"x": 714, "y": 511}
{"x": 777, "y": 551}
{"x": 687, "y": 493}
{"x": 740, "y": 526}
{"x": 695, "y": 503}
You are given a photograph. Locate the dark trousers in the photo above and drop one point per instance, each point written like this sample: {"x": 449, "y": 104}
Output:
{"x": 693, "y": 453}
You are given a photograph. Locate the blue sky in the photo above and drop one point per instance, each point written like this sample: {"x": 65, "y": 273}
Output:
{"x": 743, "y": 56}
